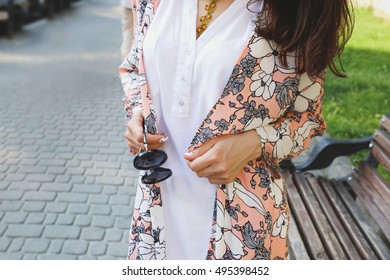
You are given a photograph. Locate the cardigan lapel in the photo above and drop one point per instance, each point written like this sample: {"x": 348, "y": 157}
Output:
{"x": 258, "y": 92}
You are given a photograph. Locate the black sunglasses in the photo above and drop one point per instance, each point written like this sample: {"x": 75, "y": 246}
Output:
{"x": 151, "y": 160}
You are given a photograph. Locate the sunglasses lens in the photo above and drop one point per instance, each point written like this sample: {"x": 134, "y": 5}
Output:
{"x": 157, "y": 175}
{"x": 150, "y": 159}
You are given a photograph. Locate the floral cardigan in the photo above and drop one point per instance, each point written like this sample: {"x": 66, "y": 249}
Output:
{"x": 251, "y": 214}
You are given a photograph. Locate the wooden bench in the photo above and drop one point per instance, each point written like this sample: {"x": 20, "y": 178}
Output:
{"x": 344, "y": 218}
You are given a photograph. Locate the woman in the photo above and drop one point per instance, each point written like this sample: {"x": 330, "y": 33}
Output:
{"x": 236, "y": 87}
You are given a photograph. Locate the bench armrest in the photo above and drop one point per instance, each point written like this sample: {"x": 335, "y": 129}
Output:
{"x": 326, "y": 150}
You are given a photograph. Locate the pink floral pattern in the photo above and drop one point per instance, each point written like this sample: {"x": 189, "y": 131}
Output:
{"x": 251, "y": 214}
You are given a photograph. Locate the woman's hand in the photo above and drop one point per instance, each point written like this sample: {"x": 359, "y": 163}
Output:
{"x": 135, "y": 136}
{"x": 222, "y": 158}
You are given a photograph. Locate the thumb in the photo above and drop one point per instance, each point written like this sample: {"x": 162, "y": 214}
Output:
{"x": 201, "y": 150}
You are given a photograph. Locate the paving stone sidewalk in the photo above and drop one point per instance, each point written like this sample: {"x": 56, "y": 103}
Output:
{"x": 66, "y": 180}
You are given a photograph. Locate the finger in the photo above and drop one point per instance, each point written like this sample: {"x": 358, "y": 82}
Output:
{"x": 135, "y": 145}
{"x": 159, "y": 139}
{"x": 209, "y": 172}
{"x": 131, "y": 151}
{"x": 133, "y": 135}
{"x": 135, "y": 127}
{"x": 155, "y": 146}
{"x": 204, "y": 161}
{"x": 138, "y": 134}
{"x": 155, "y": 142}
{"x": 136, "y": 138}
{"x": 201, "y": 150}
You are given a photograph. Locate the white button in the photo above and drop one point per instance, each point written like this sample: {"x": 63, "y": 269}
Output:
{"x": 181, "y": 102}
{"x": 183, "y": 79}
{"x": 188, "y": 51}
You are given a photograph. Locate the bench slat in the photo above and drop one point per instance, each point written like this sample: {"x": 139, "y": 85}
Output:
{"x": 377, "y": 244}
{"x": 385, "y": 123}
{"x": 381, "y": 156}
{"x": 307, "y": 230}
{"x": 296, "y": 244}
{"x": 353, "y": 231}
{"x": 346, "y": 243}
{"x": 370, "y": 200}
{"x": 382, "y": 138}
{"x": 327, "y": 235}
{"x": 376, "y": 181}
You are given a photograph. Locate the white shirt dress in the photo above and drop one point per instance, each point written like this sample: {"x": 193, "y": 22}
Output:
{"x": 186, "y": 76}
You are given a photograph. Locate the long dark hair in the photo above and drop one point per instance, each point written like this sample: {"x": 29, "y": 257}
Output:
{"x": 317, "y": 30}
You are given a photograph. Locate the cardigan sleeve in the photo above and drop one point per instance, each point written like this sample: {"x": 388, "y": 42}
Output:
{"x": 129, "y": 73}
{"x": 290, "y": 135}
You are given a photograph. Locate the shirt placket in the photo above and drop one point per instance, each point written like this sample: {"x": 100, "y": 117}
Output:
{"x": 186, "y": 59}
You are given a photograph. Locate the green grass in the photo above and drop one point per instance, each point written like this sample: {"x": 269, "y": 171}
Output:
{"x": 353, "y": 106}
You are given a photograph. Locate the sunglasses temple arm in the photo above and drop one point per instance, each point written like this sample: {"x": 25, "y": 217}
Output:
{"x": 144, "y": 131}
